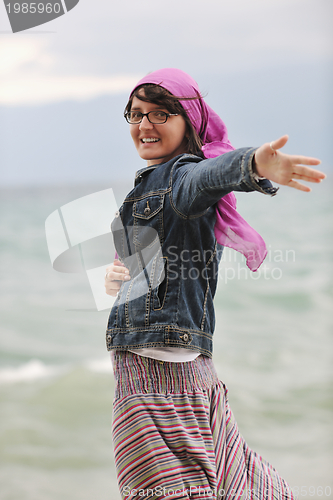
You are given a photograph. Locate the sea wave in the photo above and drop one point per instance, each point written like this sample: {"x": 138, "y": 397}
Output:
{"x": 28, "y": 372}
{"x": 35, "y": 369}
{"x": 102, "y": 365}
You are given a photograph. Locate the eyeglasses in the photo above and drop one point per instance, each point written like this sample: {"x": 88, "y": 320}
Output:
{"x": 154, "y": 117}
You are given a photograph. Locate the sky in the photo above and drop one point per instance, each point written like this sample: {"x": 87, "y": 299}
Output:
{"x": 264, "y": 66}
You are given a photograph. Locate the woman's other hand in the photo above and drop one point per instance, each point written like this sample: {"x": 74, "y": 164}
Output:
{"x": 286, "y": 169}
{"x": 115, "y": 275}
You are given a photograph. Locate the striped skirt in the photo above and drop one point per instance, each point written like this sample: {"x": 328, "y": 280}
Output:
{"x": 175, "y": 436}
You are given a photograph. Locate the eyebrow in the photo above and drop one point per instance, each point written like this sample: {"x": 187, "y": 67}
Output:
{"x": 156, "y": 109}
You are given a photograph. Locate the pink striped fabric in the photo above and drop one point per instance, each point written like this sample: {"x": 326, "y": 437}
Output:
{"x": 175, "y": 436}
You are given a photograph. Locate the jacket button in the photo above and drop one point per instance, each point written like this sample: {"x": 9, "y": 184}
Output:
{"x": 108, "y": 338}
{"x": 187, "y": 338}
{"x": 147, "y": 211}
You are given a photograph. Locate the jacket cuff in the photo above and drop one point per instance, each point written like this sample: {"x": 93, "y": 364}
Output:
{"x": 257, "y": 183}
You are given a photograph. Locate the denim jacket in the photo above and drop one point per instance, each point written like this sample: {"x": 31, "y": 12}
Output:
{"x": 164, "y": 234}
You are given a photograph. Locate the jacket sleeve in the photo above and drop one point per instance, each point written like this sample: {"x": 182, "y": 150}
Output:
{"x": 198, "y": 184}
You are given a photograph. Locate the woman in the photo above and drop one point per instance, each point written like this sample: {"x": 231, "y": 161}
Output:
{"x": 174, "y": 433}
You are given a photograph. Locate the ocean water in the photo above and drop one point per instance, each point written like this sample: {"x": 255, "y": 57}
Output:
{"x": 273, "y": 349}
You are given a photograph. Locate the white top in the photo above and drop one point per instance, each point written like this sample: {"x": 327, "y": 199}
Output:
{"x": 170, "y": 354}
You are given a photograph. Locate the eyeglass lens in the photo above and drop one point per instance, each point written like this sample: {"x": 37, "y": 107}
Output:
{"x": 153, "y": 116}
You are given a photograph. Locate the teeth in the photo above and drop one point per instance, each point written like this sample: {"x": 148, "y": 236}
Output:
{"x": 150, "y": 139}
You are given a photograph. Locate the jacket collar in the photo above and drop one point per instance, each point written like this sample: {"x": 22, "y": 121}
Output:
{"x": 143, "y": 172}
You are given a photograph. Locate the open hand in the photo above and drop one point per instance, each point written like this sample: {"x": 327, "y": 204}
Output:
{"x": 285, "y": 169}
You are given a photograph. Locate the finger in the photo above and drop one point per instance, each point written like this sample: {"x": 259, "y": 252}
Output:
{"x": 305, "y": 178}
{"x": 279, "y": 143}
{"x": 306, "y": 160}
{"x": 299, "y": 186}
{"x": 115, "y": 264}
{"x": 308, "y": 172}
{"x": 113, "y": 276}
{"x": 116, "y": 273}
{"x": 118, "y": 263}
{"x": 120, "y": 270}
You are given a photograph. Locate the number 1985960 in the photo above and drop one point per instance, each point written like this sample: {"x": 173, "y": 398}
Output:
{"x": 33, "y": 8}
{"x": 305, "y": 491}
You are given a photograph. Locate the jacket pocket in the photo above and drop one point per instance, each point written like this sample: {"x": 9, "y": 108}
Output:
{"x": 148, "y": 207}
{"x": 148, "y": 221}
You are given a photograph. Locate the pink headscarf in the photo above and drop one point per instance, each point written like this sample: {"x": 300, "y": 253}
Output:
{"x": 231, "y": 230}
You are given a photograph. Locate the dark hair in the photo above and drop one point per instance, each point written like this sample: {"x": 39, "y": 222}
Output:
{"x": 159, "y": 95}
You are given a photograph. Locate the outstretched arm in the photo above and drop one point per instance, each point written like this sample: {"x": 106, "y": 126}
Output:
{"x": 285, "y": 169}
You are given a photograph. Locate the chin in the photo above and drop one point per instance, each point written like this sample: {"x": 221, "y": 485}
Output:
{"x": 152, "y": 158}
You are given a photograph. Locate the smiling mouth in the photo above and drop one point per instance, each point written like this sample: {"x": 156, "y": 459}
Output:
{"x": 149, "y": 139}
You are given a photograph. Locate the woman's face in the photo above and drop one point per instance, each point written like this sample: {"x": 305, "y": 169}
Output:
{"x": 170, "y": 139}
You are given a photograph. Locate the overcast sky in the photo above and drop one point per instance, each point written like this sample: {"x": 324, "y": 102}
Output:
{"x": 101, "y": 48}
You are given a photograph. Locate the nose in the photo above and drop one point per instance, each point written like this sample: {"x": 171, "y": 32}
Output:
{"x": 145, "y": 124}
